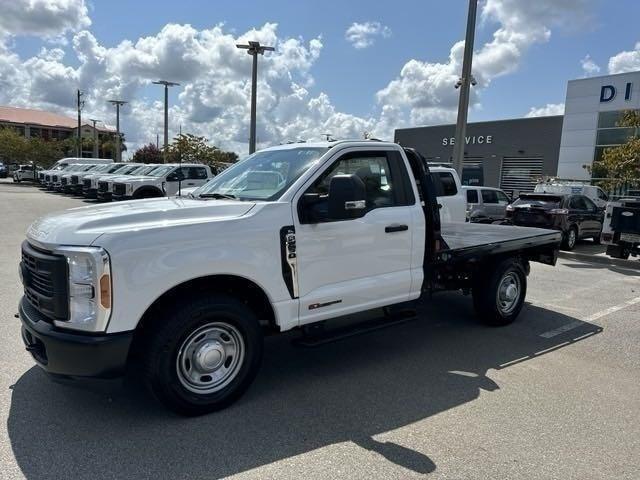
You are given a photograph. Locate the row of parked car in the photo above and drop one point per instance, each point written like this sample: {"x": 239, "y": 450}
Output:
{"x": 105, "y": 180}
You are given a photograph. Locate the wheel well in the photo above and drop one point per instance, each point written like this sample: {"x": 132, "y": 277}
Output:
{"x": 240, "y": 288}
{"x": 148, "y": 189}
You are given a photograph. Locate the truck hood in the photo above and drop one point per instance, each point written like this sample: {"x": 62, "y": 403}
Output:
{"x": 83, "y": 225}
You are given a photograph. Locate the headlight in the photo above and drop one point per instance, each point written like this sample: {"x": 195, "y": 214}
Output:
{"x": 129, "y": 188}
{"x": 89, "y": 288}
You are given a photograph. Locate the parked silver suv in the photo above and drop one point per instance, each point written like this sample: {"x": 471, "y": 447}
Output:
{"x": 486, "y": 204}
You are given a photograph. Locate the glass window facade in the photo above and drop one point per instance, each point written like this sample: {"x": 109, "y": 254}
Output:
{"x": 610, "y": 133}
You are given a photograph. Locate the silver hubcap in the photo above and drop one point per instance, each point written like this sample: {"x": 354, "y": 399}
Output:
{"x": 210, "y": 358}
{"x": 508, "y": 293}
{"x": 572, "y": 237}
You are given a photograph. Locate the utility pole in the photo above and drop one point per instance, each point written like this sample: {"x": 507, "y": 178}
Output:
{"x": 166, "y": 113}
{"x": 95, "y": 138}
{"x": 80, "y": 105}
{"x": 465, "y": 82}
{"x": 118, "y": 104}
{"x": 254, "y": 49}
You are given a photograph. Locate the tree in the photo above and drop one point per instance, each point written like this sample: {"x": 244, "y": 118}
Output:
{"x": 192, "y": 148}
{"x": 621, "y": 164}
{"x": 147, "y": 154}
{"x": 14, "y": 148}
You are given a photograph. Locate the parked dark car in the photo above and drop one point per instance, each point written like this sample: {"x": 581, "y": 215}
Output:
{"x": 575, "y": 215}
{"x": 4, "y": 170}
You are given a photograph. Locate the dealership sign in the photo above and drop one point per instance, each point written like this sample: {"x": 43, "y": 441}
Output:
{"x": 472, "y": 140}
{"x": 608, "y": 92}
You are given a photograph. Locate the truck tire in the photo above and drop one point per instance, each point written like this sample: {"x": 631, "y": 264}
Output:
{"x": 499, "y": 292}
{"x": 570, "y": 238}
{"x": 203, "y": 354}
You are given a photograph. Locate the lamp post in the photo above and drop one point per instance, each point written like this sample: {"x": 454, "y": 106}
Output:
{"x": 254, "y": 49}
{"x": 118, "y": 104}
{"x": 465, "y": 82}
{"x": 80, "y": 105}
{"x": 166, "y": 113}
{"x": 95, "y": 137}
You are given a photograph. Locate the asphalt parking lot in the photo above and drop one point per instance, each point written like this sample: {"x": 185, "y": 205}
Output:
{"x": 555, "y": 395}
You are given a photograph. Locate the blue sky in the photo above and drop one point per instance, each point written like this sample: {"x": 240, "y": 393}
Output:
{"x": 424, "y": 31}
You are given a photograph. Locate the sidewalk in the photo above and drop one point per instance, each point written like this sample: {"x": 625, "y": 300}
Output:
{"x": 587, "y": 251}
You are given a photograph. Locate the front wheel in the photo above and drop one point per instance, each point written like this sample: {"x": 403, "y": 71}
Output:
{"x": 570, "y": 239}
{"x": 203, "y": 354}
{"x": 499, "y": 293}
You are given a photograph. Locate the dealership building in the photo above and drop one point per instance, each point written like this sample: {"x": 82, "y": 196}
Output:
{"x": 514, "y": 154}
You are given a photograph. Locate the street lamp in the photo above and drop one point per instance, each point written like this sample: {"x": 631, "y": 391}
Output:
{"x": 166, "y": 112}
{"x": 118, "y": 104}
{"x": 464, "y": 83}
{"x": 254, "y": 49}
{"x": 80, "y": 106}
{"x": 95, "y": 137}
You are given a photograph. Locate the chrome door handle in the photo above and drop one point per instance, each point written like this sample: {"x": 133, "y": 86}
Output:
{"x": 396, "y": 228}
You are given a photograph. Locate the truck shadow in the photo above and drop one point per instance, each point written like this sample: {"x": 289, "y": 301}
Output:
{"x": 302, "y": 400}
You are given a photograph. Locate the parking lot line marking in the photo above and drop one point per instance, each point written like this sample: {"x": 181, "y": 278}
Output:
{"x": 613, "y": 309}
{"x": 590, "y": 318}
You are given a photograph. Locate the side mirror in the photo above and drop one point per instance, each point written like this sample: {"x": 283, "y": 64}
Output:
{"x": 174, "y": 177}
{"x": 347, "y": 197}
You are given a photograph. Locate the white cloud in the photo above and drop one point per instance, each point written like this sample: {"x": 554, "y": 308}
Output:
{"x": 44, "y": 18}
{"x": 625, "y": 61}
{"x": 363, "y": 35}
{"x": 213, "y": 99}
{"x": 423, "y": 93}
{"x": 548, "y": 110}
{"x": 589, "y": 67}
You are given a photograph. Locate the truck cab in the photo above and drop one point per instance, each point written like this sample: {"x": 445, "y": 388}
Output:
{"x": 184, "y": 289}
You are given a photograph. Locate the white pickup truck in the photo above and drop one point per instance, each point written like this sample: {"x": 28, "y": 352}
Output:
{"x": 182, "y": 290}
{"x": 166, "y": 180}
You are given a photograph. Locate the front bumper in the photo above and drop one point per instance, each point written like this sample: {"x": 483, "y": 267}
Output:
{"x": 90, "y": 192}
{"x": 104, "y": 196}
{"x": 117, "y": 198}
{"x": 63, "y": 352}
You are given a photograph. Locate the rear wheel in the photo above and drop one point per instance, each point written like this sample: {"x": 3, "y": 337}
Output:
{"x": 570, "y": 238}
{"x": 499, "y": 293}
{"x": 203, "y": 354}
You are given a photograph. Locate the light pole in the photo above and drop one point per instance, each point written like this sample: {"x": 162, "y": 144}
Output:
{"x": 254, "y": 49}
{"x": 95, "y": 137}
{"x": 80, "y": 105}
{"x": 465, "y": 82}
{"x": 118, "y": 104}
{"x": 166, "y": 113}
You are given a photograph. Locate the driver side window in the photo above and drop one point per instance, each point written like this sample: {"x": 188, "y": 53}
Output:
{"x": 372, "y": 168}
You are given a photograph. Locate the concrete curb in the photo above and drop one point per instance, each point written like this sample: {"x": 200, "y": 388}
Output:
{"x": 600, "y": 259}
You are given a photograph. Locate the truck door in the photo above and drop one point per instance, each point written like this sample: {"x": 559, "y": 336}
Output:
{"x": 350, "y": 265}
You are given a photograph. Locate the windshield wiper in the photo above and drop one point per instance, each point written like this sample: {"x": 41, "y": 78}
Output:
{"x": 217, "y": 196}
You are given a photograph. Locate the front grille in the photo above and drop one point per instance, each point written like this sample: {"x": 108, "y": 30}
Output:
{"x": 103, "y": 186}
{"x": 74, "y": 179}
{"x": 44, "y": 277}
{"x": 119, "y": 188}
{"x": 64, "y": 180}
{"x": 41, "y": 176}
{"x": 86, "y": 183}
{"x": 55, "y": 179}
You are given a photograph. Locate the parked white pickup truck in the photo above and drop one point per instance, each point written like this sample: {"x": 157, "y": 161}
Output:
{"x": 183, "y": 289}
{"x": 166, "y": 180}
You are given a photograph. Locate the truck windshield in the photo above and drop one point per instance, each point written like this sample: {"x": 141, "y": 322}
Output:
{"x": 265, "y": 175}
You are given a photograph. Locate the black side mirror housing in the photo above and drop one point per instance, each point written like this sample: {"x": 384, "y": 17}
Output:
{"x": 347, "y": 197}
